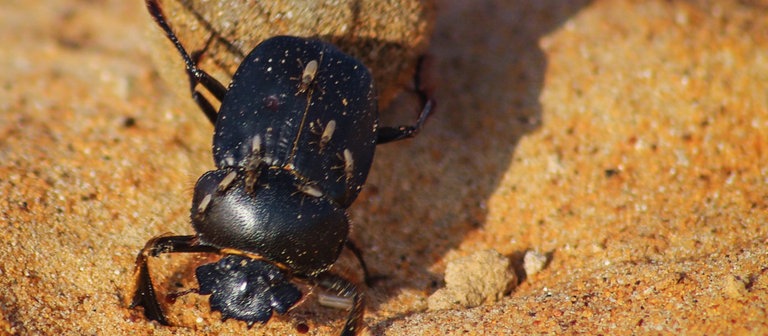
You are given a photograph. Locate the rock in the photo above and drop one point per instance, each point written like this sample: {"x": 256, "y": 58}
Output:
{"x": 483, "y": 277}
{"x": 534, "y": 262}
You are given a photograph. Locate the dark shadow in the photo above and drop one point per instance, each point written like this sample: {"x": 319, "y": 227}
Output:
{"x": 488, "y": 71}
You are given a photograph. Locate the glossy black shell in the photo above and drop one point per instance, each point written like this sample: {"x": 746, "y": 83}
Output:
{"x": 295, "y": 211}
{"x": 263, "y": 100}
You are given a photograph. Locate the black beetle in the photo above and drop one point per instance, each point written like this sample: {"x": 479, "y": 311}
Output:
{"x": 294, "y": 141}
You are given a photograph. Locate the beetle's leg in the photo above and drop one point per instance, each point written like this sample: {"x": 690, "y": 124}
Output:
{"x": 342, "y": 287}
{"x": 206, "y": 106}
{"x": 359, "y": 255}
{"x": 196, "y": 75}
{"x": 390, "y": 134}
{"x": 144, "y": 293}
{"x": 369, "y": 279}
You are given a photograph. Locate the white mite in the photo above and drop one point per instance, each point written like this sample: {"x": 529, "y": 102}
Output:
{"x": 226, "y": 181}
{"x": 327, "y": 133}
{"x": 349, "y": 164}
{"x": 307, "y": 76}
{"x": 311, "y": 190}
{"x": 256, "y": 145}
{"x": 252, "y": 164}
{"x": 269, "y": 144}
{"x": 228, "y": 161}
{"x": 204, "y": 204}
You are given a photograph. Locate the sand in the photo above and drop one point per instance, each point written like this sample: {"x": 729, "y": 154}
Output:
{"x": 627, "y": 141}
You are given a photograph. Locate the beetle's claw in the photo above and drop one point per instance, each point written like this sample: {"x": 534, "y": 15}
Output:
{"x": 144, "y": 293}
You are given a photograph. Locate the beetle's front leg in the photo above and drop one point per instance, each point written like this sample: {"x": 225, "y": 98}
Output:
{"x": 196, "y": 75}
{"x": 144, "y": 292}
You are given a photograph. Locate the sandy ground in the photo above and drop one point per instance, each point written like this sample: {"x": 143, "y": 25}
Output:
{"x": 627, "y": 140}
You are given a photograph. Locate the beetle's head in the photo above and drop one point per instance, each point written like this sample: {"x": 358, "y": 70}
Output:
{"x": 246, "y": 289}
{"x": 273, "y": 215}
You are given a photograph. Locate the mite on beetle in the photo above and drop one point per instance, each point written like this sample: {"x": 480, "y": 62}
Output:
{"x": 307, "y": 76}
{"x": 275, "y": 206}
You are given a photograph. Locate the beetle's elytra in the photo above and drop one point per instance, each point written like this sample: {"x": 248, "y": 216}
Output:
{"x": 294, "y": 140}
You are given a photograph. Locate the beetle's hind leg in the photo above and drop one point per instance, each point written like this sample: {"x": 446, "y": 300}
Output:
{"x": 369, "y": 279}
{"x": 390, "y": 134}
{"x": 343, "y": 288}
{"x": 196, "y": 75}
{"x": 144, "y": 292}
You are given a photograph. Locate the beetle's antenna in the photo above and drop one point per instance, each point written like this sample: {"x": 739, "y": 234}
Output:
{"x": 157, "y": 14}
{"x": 200, "y": 76}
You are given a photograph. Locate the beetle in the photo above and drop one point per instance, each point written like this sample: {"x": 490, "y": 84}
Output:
{"x": 275, "y": 206}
